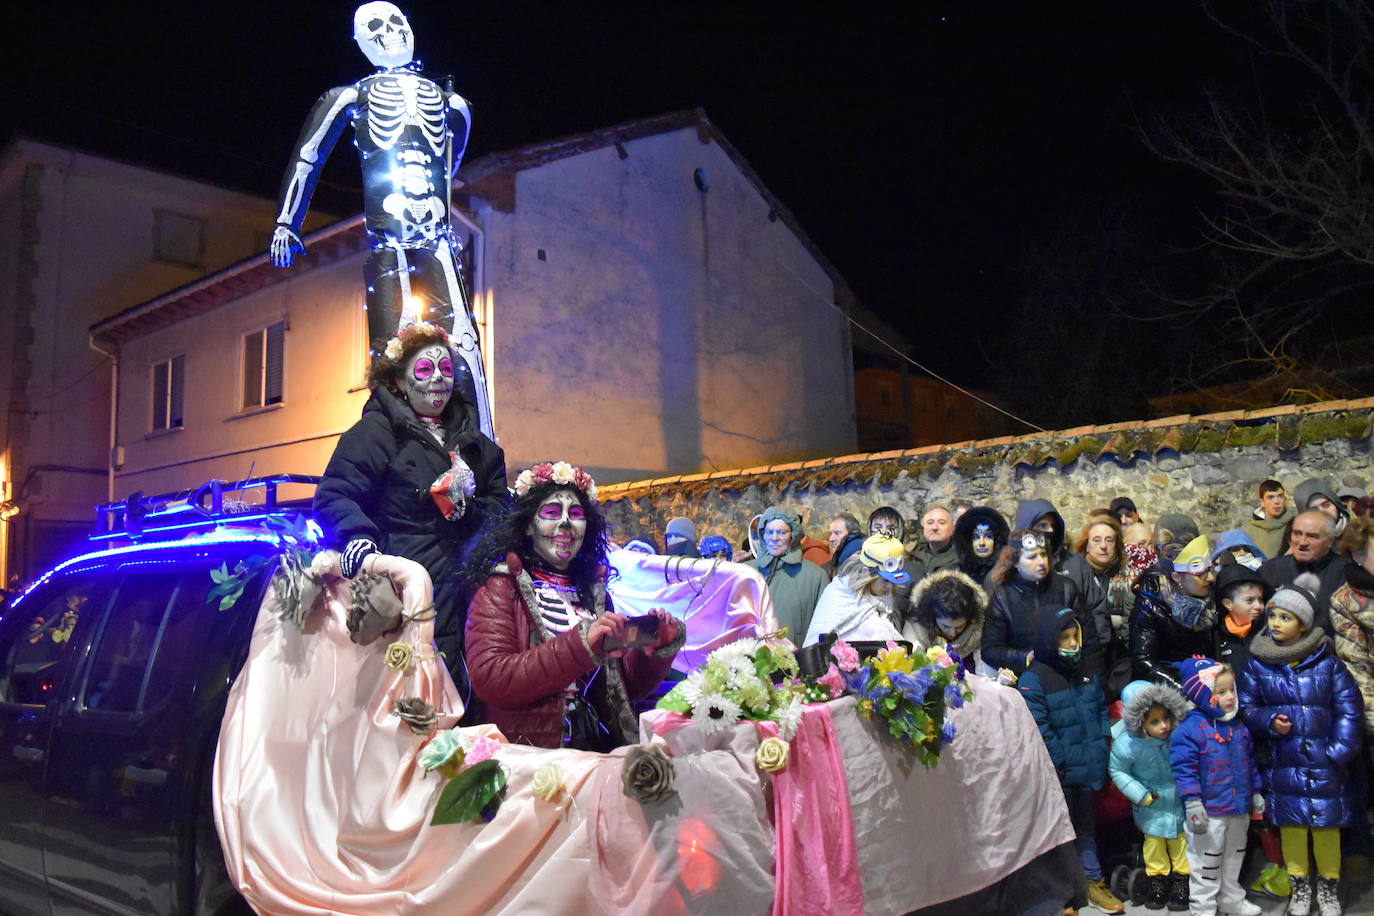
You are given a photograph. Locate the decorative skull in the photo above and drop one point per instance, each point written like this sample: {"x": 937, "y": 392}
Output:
{"x": 383, "y": 33}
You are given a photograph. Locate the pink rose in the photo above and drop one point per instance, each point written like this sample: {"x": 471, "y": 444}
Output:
{"x": 846, "y": 655}
{"x": 833, "y": 681}
{"x": 483, "y": 749}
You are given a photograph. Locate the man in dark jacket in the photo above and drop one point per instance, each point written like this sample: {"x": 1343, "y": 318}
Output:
{"x": 937, "y": 527}
{"x": 1311, "y": 541}
{"x": 376, "y": 494}
{"x": 1041, "y": 515}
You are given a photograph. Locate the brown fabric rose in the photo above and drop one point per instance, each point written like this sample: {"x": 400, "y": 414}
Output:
{"x": 772, "y": 755}
{"x": 399, "y": 655}
{"x": 417, "y": 714}
{"x": 647, "y": 775}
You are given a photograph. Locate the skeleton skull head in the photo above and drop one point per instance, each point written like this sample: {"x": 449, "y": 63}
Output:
{"x": 383, "y": 33}
{"x": 428, "y": 380}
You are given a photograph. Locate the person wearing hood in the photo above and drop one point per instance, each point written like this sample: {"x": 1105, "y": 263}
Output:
{"x": 1240, "y": 595}
{"x": 861, "y": 602}
{"x": 415, "y": 477}
{"x": 949, "y": 608}
{"x": 1139, "y": 766}
{"x": 1031, "y": 591}
{"x": 1352, "y": 611}
{"x": 979, "y": 536}
{"x": 794, "y": 582}
{"x": 1173, "y": 616}
{"x": 887, "y": 520}
{"x": 1323, "y": 496}
{"x": 1268, "y": 525}
{"x": 1041, "y": 515}
{"x": 1349, "y": 495}
{"x": 1071, "y": 712}
{"x": 1300, "y": 701}
{"x": 1240, "y": 548}
{"x": 937, "y": 553}
{"x": 1312, "y": 539}
{"x": 680, "y": 538}
{"x": 1212, "y": 756}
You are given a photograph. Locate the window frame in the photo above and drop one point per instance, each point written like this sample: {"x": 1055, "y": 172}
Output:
{"x": 171, "y": 397}
{"x": 166, "y": 220}
{"x": 263, "y": 333}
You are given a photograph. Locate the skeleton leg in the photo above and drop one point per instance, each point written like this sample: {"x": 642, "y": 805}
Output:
{"x": 385, "y": 296}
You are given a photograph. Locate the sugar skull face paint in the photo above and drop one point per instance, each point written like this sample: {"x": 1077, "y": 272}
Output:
{"x": 428, "y": 380}
{"x": 983, "y": 543}
{"x": 557, "y": 529}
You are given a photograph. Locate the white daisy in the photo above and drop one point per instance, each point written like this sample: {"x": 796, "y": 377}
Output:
{"x": 789, "y": 719}
{"x": 738, "y": 672}
{"x": 740, "y": 648}
{"x": 715, "y": 712}
{"x": 692, "y": 688}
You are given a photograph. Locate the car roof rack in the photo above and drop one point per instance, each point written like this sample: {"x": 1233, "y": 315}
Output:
{"x": 168, "y": 516}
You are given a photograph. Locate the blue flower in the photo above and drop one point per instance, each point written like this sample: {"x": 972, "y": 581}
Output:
{"x": 912, "y": 686}
{"x": 854, "y": 681}
{"x": 953, "y": 696}
{"x": 947, "y": 733}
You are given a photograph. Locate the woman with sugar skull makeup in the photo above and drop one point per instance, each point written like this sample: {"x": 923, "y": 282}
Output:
{"x": 414, "y": 478}
{"x": 553, "y": 662}
{"x": 979, "y": 536}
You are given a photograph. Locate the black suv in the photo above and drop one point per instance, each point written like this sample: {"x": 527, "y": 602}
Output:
{"x": 114, "y": 671}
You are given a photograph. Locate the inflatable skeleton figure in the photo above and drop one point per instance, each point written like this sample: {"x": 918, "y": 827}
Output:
{"x": 410, "y": 134}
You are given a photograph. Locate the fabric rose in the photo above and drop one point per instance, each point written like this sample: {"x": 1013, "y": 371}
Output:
{"x": 483, "y": 748}
{"x": 393, "y": 349}
{"x": 772, "y": 755}
{"x": 832, "y": 681}
{"x": 446, "y": 751}
{"x": 647, "y": 776}
{"x": 399, "y": 655}
{"x": 548, "y": 782}
{"x": 562, "y": 473}
{"x": 846, "y": 655}
{"x": 417, "y": 714}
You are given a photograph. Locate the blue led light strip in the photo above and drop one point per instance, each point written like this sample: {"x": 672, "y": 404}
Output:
{"x": 203, "y": 541}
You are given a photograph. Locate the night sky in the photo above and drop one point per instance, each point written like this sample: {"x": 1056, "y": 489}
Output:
{"x": 929, "y": 152}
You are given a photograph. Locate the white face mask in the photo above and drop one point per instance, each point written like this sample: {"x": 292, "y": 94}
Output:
{"x": 557, "y": 529}
{"x": 428, "y": 380}
{"x": 383, "y": 34}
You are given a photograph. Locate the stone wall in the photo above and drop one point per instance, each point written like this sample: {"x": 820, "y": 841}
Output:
{"x": 1207, "y": 467}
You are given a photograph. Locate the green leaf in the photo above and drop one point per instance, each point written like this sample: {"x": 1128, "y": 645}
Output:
{"x": 221, "y": 574}
{"x": 469, "y": 792}
{"x": 230, "y": 599}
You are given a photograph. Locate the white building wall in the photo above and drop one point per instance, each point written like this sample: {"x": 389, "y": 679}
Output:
{"x": 666, "y": 330}
{"x": 94, "y": 257}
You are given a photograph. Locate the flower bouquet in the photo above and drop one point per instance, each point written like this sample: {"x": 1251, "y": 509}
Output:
{"x": 911, "y": 693}
{"x": 476, "y": 780}
{"x": 747, "y": 679}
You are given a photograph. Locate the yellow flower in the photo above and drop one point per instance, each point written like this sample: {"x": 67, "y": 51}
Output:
{"x": 772, "y": 755}
{"x": 893, "y": 659}
{"x": 548, "y": 782}
{"x": 936, "y": 654}
{"x": 399, "y": 655}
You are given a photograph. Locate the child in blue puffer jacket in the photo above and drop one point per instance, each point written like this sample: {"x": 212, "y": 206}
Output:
{"x": 1139, "y": 766}
{"x": 1213, "y": 761}
{"x": 1069, "y": 708}
{"x": 1300, "y": 700}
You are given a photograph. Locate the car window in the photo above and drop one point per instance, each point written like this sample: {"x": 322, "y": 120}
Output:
{"x": 119, "y": 662}
{"x": 186, "y": 621}
{"x": 43, "y": 636}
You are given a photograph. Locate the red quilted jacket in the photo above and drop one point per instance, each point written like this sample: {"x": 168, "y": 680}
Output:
{"x": 521, "y": 678}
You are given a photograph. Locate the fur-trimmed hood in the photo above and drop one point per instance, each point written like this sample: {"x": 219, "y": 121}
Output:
{"x": 975, "y": 602}
{"x": 1138, "y": 702}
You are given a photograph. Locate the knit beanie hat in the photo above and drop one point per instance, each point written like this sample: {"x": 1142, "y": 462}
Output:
{"x": 678, "y": 530}
{"x": 1198, "y": 674}
{"x": 1299, "y": 599}
{"x": 1140, "y": 558}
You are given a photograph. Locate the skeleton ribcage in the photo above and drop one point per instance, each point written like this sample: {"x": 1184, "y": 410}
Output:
{"x": 558, "y": 613}
{"x": 398, "y": 103}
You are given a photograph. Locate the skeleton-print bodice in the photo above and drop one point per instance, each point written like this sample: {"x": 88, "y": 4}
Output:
{"x": 557, "y": 606}
{"x": 402, "y": 133}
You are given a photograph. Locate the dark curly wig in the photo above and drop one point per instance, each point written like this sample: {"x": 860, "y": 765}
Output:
{"x": 507, "y": 532}
{"x": 384, "y": 371}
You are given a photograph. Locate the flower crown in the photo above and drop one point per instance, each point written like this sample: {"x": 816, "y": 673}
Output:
{"x": 559, "y": 472}
{"x": 394, "y": 346}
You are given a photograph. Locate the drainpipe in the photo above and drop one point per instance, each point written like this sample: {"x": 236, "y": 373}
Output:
{"x": 113, "y": 356}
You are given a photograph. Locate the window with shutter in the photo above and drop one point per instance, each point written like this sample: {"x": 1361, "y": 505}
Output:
{"x": 264, "y": 366}
{"x": 168, "y": 393}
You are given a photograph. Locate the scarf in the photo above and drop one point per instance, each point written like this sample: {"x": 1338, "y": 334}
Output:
{"x": 1189, "y": 612}
{"x": 1271, "y": 653}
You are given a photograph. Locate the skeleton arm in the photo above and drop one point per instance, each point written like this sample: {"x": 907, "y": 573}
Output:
{"x": 459, "y": 124}
{"x": 327, "y": 119}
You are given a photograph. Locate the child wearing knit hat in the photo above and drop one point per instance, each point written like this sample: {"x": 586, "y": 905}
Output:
{"x": 1212, "y": 757}
{"x": 1301, "y": 701}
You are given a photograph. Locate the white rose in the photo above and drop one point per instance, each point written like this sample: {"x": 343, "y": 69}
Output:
{"x": 548, "y": 782}
{"x": 562, "y": 472}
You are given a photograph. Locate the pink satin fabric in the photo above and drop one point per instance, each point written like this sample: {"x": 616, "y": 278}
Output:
{"x": 322, "y": 807}
{"x": 817, "y": 869}
{"x": 721, "y": 602}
